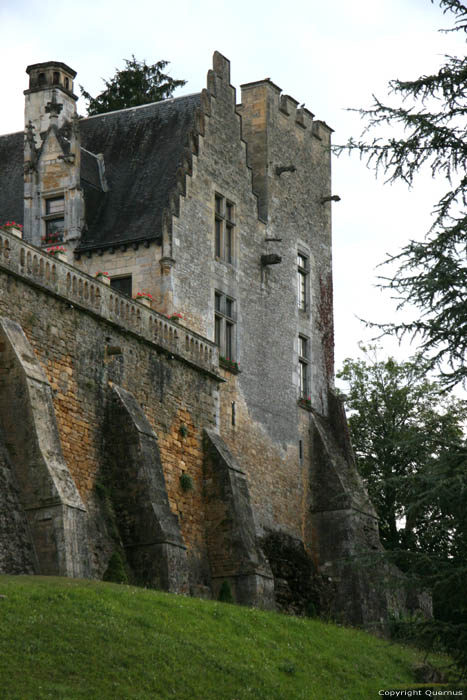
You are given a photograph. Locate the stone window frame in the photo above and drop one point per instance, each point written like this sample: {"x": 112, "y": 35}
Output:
{"x": 225, "y": 325}
{"x": 303, "y": 366}
{"x": 51, "y": 217}
{"x": 303, "y": 271}
{"x": 224, "y": 229}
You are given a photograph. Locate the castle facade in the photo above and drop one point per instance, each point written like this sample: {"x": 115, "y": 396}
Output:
{"x": 166, "y": 350}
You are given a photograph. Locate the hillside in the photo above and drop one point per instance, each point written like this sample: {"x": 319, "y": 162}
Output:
{"x": 67, "y": 639}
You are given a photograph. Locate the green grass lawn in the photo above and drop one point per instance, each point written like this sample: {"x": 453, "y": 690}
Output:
{"x": 65, "y": 639}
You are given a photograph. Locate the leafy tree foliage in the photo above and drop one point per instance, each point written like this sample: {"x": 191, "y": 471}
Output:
{"x": 432, "y": 274}
{"x": 137, "y": 84}
{"x": 412, "y": 454}
{"x": 403, "y": 428}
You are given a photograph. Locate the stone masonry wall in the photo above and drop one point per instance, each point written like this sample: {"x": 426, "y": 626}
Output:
{"x": 86, "y": 336}
{"x": 143, "y": 264}
{"x": 271, "y": 429}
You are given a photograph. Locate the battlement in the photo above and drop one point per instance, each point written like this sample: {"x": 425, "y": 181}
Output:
{"x": 262, "y": 94}
{"x": 82, "y": 291}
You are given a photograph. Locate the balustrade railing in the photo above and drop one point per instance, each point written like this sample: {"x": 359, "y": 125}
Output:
{"x": 79, "y": 288}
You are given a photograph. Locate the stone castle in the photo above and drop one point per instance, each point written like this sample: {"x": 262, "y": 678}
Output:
{"x": 166, "y": 349}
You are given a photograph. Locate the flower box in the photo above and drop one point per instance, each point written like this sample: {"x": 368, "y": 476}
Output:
{"x": 228, "y": 364}
{"x": 52, "y": 239}
{"x": 145, "y": 298}
{"x": 57, "y": 252}
{"x": 103, "y": 277}
{"x": 13, "y": 228}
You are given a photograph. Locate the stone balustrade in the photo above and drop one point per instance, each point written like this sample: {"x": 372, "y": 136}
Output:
{"x": 86, "y": 292}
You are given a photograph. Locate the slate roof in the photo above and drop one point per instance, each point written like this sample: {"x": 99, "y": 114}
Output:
{"x": 142, "y": 147}
{"x": 11, "y": 178}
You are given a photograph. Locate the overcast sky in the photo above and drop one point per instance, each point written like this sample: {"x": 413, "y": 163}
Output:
{"x": 330, "y": 56}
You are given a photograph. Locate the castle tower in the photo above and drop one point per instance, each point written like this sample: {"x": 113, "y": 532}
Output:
{"x": 53, "y": 201}
{"x": 290, "y": 157}
{"x": 50, "y": 83}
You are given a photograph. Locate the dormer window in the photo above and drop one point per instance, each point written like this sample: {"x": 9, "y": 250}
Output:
{"x": 54, "y": 220}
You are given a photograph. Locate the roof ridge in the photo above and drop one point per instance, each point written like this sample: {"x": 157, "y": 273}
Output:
{"x": 150, "y": 104}
{"x": 12, "y": 133}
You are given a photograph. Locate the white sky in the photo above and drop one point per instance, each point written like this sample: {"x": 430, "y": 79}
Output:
{"x": 328, "y": 55}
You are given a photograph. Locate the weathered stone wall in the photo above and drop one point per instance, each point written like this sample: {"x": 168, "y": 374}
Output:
{"x": 16, "y": 550}
{"x": 86, "y": 336}
{"x": 269, "y": 424}
{"x": 141, "y": 262}
{"x": 290, "y": 157}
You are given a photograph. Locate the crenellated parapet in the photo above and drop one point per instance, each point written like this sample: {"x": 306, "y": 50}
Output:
{"x": 87, "y": 293}
{"x": 298, "y": 115}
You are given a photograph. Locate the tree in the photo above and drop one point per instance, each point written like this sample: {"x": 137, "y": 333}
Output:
{"x": 432, "y": 274}
{"x": 412, "y": 454}
{"x": 137, "y": 84}
{"x": 403, "y": 428}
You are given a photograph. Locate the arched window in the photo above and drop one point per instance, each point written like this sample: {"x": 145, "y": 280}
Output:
{"x": 56, "y": 78}
{"x": 41, "y": 79}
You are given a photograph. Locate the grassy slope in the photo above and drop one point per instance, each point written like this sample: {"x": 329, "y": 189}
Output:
{"x": 62, "y": 638}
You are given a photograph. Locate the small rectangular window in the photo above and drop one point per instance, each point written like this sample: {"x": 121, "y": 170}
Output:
{"x": 229, "y": 307}
{"x": 303, "y": 361}
{"x": 228, "y": 242}
{"x": 122, "y": 284}
{"x": 218, "y": 226}
{"x": 54, "y": 229}
{"x": 54, "y": 220}
{"x": 224, "y": 325}
{"x": 302, "y": 281}
{"x": 229, "y": 340}
{"x": 224, "y": 229}
{"x": 54, "y": 206}
{"x": 217, "y": 330}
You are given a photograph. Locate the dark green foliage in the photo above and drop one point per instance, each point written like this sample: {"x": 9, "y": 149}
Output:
{"x": 186, "y": 482}
{"x": 115, "y": 571}
{"x": 137, "y": 84}
{"x": 225, "y": 593}
{"x": 432, "y": 274}
{"x": 412, "y": 454}
{"x": 407, "y": 436}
